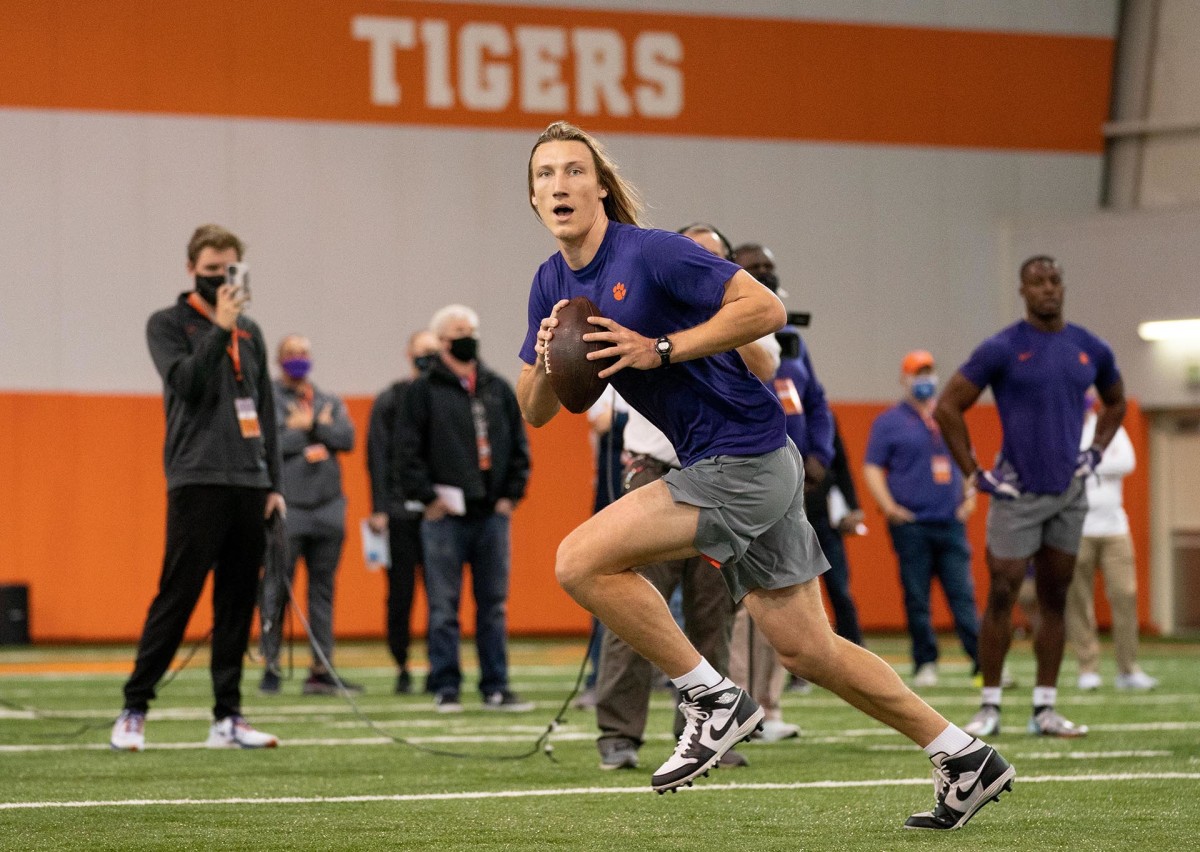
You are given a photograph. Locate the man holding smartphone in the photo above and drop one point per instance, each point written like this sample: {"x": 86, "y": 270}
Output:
{"x": 223, "y": 480}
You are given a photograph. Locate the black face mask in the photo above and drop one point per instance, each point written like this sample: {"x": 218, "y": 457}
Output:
{"x": 465, "y": 348}
{"x": 425, "y": 362}
{"x": 207, "y": 286}
{"x": 769, "y": 280}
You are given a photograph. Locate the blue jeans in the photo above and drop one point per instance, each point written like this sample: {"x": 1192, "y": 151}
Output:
{"x": 929, "y": 549}
{"x": 447, "y": 544}
{"x": 837, "y": 579}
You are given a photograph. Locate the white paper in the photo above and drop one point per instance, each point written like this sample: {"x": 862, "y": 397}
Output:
{"x": 838, "y": 508}
{"x": 377, "y": 553}
{"x": 453, "y": 497}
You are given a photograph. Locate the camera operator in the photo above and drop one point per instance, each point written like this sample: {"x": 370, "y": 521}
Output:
{"x": 223, "y": 478}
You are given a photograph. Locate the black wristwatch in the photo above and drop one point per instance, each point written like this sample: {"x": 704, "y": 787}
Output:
{"x": 663, "y": 347}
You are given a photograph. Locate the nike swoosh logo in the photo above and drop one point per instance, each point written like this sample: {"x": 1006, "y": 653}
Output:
{"x": 717, "y": 734}
{"x": 964, "y": 795}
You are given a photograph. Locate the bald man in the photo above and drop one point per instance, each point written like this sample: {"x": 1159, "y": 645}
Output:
{"x": 313, "y": 429}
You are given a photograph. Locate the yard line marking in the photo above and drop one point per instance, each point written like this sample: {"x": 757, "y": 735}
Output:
{"x": 574, "y": 791}
{"x": 1047, "y": 755}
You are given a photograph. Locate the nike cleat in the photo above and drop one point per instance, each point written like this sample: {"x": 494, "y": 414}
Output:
{"x": 1051, "y": 723}
{"x": 716, "y": 719}
{"x": 985, "y": 723}
{"x": 963, "y": 784}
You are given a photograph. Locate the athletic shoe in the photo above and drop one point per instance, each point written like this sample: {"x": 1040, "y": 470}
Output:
{"x": 1089, "y": 681}
{"x": 985, "y": 723}
{"x": 270, "y": 683}
{"x": 1137, "y": 680}
{"x": 403, "y": 683}
{"x": 324, "y": 684}
{"x": 236, "y": 732}
{"x": 506, "y": 701}
{"x": 1051, "y": 723}
{"x": 618, "y": 754}
{"x": 926, "y": 675}
{"x": 447, "y": 702}
{"x": 715, "y": 719}
{"x": 774, "y": 730}
{"x": 129, "y": 731}
{"x": 962, "y": 784}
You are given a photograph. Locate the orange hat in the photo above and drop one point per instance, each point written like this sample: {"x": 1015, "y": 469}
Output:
{"x": 915, "y": 361}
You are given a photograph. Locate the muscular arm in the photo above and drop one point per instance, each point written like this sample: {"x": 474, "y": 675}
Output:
{"x": 748, "y": 311}
{"x": 1111, "y": 416}
{"x": 537, "y": 399}
{"x": 959, "y": 395}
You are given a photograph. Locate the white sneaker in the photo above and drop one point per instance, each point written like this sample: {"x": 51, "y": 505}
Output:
{"x": 1137, "y": 679}
{"x": 717, "y": 719}
{"x": 236, "y": 732}
{"x": 129, "y": 731}
{"x": 774, "y": 730}
{"x": 1089, "y": 681}
{"x": 1051, "y": 723}
{"x": 926, "y": 675}
{"x": 985, "y": 723}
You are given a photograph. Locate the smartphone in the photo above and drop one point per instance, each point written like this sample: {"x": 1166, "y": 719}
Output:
{"x": 238, "y": 274}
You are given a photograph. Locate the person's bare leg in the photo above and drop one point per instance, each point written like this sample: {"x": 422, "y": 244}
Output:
{"x": 594, "y": 562}
{"x": 1053, "y": 572}
{"x": 795, "y": 623}
{"x": 995, "y": 628}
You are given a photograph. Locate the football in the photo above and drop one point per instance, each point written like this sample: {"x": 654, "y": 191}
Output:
{"x": 572, "y": 376}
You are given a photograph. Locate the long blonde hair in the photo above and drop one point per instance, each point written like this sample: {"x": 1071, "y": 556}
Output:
{"x": 623, "y": 202}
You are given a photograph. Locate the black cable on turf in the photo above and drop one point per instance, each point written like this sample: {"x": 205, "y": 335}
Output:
{"x": 541, "y": 744}
{"x": 96, "y": 726}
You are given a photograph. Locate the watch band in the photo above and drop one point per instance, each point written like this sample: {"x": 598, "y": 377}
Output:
{"x": 663, "y": 347}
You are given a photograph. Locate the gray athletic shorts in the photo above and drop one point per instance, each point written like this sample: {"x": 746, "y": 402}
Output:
{"x": 1017, "y": 529}
{"x": 752, "y": 519}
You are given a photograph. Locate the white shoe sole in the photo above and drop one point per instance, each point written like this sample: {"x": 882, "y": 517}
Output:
{"x": 741, "y": 734}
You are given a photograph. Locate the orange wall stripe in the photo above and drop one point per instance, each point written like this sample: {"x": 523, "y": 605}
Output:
{"x": 490, "y": 66}
{"x": 83, "y": 508}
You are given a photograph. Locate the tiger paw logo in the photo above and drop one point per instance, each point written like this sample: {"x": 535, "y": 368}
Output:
{"x": 619, "y": 291}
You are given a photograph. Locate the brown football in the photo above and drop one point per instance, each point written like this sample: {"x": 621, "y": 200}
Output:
{"x": 572, "y": 376}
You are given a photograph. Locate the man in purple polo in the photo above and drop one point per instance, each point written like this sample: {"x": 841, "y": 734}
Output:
{"x": 913, "y": 479}
{"x": 1039, "y": 370}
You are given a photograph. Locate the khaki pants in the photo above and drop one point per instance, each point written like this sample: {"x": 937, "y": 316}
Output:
{"x": 1114, "y": 555}
{"x": 754, "y": 665}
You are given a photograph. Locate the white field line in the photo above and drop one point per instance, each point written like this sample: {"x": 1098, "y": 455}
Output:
{"x": 523, "y": 734}
{"x": 1048, "y": 755}
{"x": 576, "y": 791}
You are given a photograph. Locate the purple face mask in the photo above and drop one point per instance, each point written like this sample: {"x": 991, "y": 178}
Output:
{"x": 296, "y": 368}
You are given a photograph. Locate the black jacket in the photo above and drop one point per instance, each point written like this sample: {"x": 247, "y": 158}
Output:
{"x": 386, "y": 493}
{"x": 204, "y": 443}
{"x": 436, "y": 442}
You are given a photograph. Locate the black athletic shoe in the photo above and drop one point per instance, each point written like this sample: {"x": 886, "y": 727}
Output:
{"x": 324, "y": 684}
{"x": 963, "y": 784}
{"x": 716, "y": 719}
{"x": 403, "y": 683}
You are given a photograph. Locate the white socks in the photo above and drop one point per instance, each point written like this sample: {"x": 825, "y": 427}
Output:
{"x": 950, "y": 741}
{"x": 698, "y": 679}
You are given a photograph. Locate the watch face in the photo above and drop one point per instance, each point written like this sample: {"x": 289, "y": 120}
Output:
{"x": 663, "y": 346}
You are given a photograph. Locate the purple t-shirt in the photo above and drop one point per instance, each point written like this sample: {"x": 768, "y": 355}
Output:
{"x": 921, "y": 475}
{"x": 1039, "y": 380}
{"x": 655, "y": 283}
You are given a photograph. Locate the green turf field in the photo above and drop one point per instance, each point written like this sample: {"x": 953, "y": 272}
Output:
{"x": 336, "y": 783}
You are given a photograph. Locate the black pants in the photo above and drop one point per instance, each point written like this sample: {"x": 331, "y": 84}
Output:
{"x": 404, "y": 539}
{"x": 215, "y": 527}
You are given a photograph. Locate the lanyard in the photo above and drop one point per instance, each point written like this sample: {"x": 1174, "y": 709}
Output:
{"x": 201, "y": 306}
